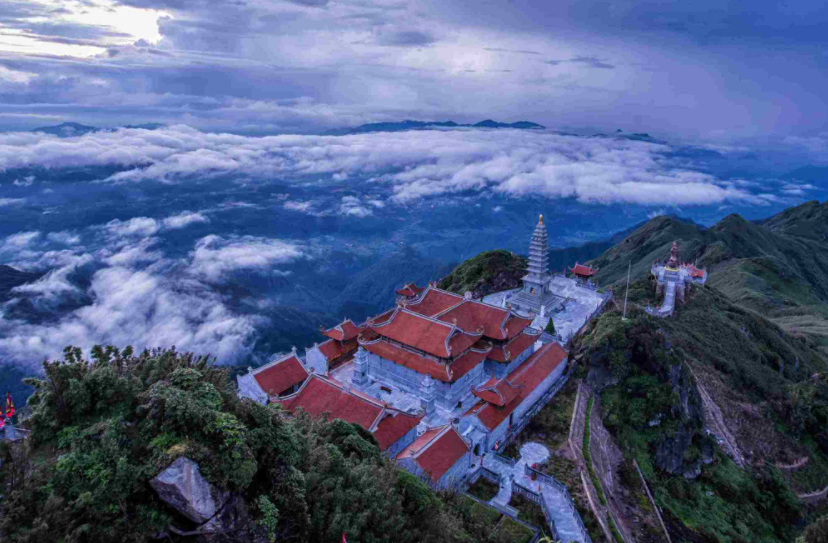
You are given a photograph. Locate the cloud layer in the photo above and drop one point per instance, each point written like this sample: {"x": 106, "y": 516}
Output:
{"x": 404, "y": 165}
{"x": 133, "y": 294}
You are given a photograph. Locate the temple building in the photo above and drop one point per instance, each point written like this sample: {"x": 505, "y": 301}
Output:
{"x": 673, "y": 280}
{"x": 281, "y": 377}
{"x": 338, "y": 349}
{"x": 440, "y": 377}
{"x": 582, "y": 272}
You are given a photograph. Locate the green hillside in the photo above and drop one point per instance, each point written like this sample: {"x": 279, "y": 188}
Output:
{"x": 769, "y": 267}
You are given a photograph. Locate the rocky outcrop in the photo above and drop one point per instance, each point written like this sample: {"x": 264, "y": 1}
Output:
{"x": 182, "y": 487}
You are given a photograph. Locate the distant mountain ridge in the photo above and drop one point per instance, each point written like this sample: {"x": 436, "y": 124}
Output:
{"x": 71, "y": 129}
{"x": 427, "y": 125}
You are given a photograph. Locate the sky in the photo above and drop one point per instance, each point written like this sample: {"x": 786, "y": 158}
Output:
{"x": 702, "y": 71}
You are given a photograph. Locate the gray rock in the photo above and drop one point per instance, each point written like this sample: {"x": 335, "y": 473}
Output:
{"x": 182, "y": 487}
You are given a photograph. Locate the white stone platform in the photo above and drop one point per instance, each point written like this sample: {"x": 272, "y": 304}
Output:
{"x": 581, "y": 303}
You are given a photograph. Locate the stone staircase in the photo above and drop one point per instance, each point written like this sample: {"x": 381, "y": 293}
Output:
{"x": 559, "y": 508}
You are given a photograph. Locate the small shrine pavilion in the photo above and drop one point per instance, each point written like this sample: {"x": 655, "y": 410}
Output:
{"x": 583, "y": 272}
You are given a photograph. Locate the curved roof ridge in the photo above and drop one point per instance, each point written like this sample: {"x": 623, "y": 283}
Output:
{"x": 276, "y": 362}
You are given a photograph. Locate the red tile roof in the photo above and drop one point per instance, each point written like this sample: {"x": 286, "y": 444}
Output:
{"x": 343, "y": 331}
{"x": 280, "y": 375}
{"x": 394, "y": 426}
{"x": 515, "y": 347}
{"x": 529, "y": 374}
{"x": 410, "y": 290}
{"x": 436, "y": 451}
{"x": 428, "y": 335}
{"x": 695, "y": 272}
{"x": 580, "y": 269}
{"x": 333, "y": 349}
{"x": 497, "y": 391}
{"x": 472, "y": 316}
{"x": 515, "y": 325}
{"x": 446, "y": 373}
{"x": 434, "y": 301}
{"x": 322, "y": 395}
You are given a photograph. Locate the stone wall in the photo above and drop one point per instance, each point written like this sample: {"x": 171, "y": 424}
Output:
{"x": 316, "y": 360}
{"x": 446, "y": 395}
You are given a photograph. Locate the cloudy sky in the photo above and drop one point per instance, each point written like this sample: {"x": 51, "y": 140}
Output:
{"x": 708, "y": 69}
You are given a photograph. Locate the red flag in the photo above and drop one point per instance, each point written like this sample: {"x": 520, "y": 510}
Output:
{"x": 343, "y": 538}
{"x": 9, "y": 405}
{"x": 2, "y": 422}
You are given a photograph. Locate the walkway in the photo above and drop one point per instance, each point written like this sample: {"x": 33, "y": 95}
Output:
{"x": 557, "y": 501}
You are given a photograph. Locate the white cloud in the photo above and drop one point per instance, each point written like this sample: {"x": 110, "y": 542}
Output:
{"x": 11, "y": 201}
{"x": 137, "y": 226}
{"x": 295, "y": 205}
{"x": 65, "y": 237}
{"x": 183, "y": 219}
{"x": 56, "y": 284}
{"x": 497, "y": 209}
{"x": 19, "y": 241}
{"x": 352, "y": 206}
{"x": 379, "y": 204}
{"x": 215, "y": 256}
{"x": 656, "y": 213}
{"x": 411, "y": 166}
{"x": 25, "y": 182}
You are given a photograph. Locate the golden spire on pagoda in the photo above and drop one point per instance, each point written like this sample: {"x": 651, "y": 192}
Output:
{"x": 541, "y": 218}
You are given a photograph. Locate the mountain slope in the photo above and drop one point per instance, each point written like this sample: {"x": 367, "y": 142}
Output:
{"x": 767, "y": 267}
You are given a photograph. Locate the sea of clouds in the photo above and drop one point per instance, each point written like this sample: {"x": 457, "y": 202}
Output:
{"x": 131, "y": 289}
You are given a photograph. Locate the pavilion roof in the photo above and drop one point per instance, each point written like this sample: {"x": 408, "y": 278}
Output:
{"x": 528, "y": 376}
{"x": 436, "y": 451}
{"x": 410, "y": 290}
{"x": 428, "y": 335}
{"x": 343, "y": 331}
{"x": 334, "y": 349}
{"x": 497, "y": 391}
{"x": 434, "y": 301}
{"x": 515, "y": 346}
{"x": 695, "y": 272}
{"x": 585, "y": 271}
{"x": 446, "y": 373}
{"x": 280, "y": 375}
{"x": 495, "y": 322}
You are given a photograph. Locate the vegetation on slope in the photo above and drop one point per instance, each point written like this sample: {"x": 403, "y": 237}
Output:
{"x": 652, "y": 408}
{"x": 103, "y": 428}
{"x": 492, "y": 271}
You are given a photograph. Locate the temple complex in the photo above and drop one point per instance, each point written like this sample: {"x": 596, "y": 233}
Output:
{"x": 439, "y": 377}
{"x": 673, "y": 280}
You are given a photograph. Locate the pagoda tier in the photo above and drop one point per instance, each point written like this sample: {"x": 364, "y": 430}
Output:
{"x": 538, "y": 254}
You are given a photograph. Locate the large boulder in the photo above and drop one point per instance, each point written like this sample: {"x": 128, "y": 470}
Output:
{"x": 182, "y": 487}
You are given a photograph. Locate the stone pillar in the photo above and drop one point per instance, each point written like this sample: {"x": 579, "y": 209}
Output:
{"x": 360, "y": 376}
{"x": 538, "y": 345}
{"x": 543, "y": 310}
{"x": 428, "y": 392}
{"x": 503, "y": 302}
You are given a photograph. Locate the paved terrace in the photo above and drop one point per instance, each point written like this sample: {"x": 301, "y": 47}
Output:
{"x": 558, "y": 502}
{"x": 581, "y": 304}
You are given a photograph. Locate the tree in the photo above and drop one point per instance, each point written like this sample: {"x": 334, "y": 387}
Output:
{"x": 550, "y": 328}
